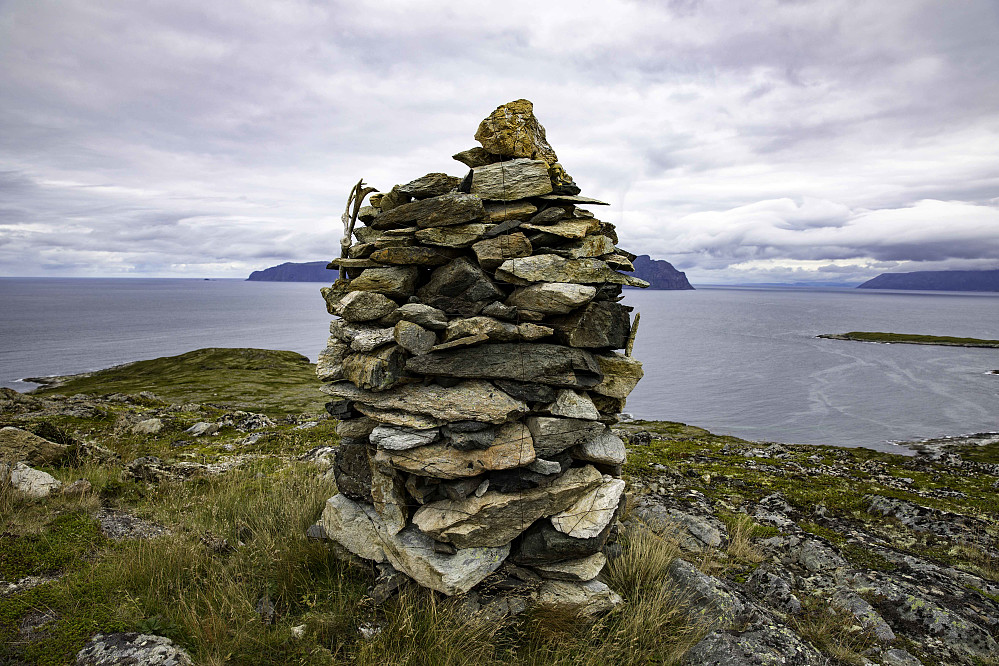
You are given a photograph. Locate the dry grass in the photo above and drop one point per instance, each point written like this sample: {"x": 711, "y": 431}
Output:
{"x": 741, "y": 529}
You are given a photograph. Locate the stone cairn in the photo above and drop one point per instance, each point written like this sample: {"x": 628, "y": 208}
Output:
{"x": 474, "y": 373}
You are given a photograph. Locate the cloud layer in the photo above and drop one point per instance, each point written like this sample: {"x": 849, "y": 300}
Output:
{"x": 768, "y": 141}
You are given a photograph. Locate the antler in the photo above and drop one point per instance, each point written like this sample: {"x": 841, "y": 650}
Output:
{"x": 349, "y": 217}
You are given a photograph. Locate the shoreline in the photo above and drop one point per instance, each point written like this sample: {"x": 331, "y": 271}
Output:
{"x": 910, "y": 339}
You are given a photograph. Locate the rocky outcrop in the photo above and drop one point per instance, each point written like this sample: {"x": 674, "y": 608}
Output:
{"x": 475, "y": 372}
{"x": 936, "y": 281}
{"x": 309, "y": 271}
{"x": 659, "y": 274}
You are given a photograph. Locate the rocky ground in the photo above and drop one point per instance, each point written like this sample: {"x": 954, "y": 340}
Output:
{"x": 133, "y": 524}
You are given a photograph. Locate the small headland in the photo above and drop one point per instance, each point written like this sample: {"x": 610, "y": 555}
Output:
{"x": 182, "y": 491}
{"x": 910, "y": 339}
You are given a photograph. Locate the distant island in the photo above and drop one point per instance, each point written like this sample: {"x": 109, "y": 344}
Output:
{"x": 660, "y": 274}
{"x": 910, "y": 339}
{"x": 936, "y": 281}
{"x": 309, "y": 271}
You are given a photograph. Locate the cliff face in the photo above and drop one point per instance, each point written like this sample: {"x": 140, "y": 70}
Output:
{"x": 936, "y": 281}
{"x": 660, "y": 274}
{"x": 310, "y": 271}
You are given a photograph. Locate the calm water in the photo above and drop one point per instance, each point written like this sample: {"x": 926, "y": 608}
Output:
{"x": 736, "y": 361}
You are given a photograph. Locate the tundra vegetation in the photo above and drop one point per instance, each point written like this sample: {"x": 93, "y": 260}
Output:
{"x": 189, "y": 483}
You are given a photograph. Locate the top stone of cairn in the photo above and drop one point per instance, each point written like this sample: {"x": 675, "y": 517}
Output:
{"x": 513, "y": 131}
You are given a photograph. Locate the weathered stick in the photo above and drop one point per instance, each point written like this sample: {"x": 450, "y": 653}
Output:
{"x": 349, "y": 217}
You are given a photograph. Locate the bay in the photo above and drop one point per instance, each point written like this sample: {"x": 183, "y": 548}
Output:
{"x": 741, "y": 361}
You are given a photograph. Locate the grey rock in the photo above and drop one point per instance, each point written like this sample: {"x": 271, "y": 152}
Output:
{"x": 508, "y": 181}
{"x": 545, "y": 467}
{"x": 511, "y": 448}
{"x": 583, "y": 569}
{"x": 414, "y": 338}
{"x": 126, "y": 649}
{"x": 816, "y": 556}
{"x": 499, "y": 311}
{"x": 494, "y": 251}
{"x": 477, "y": 156}
{"x": 590, "y": 514}
{"x": 587, "y": 599}
{"x": 405, "y": 254}
{"x": 867, "y": 617}
{"x": 553, "y": 268}
{"x": 457, "y": 236}
{"x": 466, "y": 401}
{"x": 708, "y": 599}
{"x": 364, "y": 306}
{"x": 620, "y": 374}
{"x": 528, "y": 391}
{"x": 30, "y": 481}
{"x": 763, "y": 645}
{"x": 395, "y": 438}
{"x": 467, "y": 440}
{"x": 329, "y": 365}
{"x": 352, "y": 469}
{"x": 898, "y": 657}
{"x": 147, "y": 427}
{"x": 424, "y": 315}
{"x": 504, "y": 211}
{"x": 774, "y": 589}
{"x": 573, "y": 229}
{"x": 357, "y": 427}
{"x": 361, "y": 337}
{"x": 355, "y": 526}
{"x": 542, "y": 544}
{"x": 388, "y": 494}
{"x": 461, "y": 279}
{"x": 396, "y": 282}
{"x": 573, "y": 405}
{"x": 497, "y": 518}
{"x": 600, "y": 324}
{"x": 606, "y": 449}
{"x": 377, "y": 371}
{"x": 431, "y": 185}
{"x": 552, "y": 297}
{"x": 553, "y": 435}
{"x": 439, "y": 211}
{"x": 544, "y": 363}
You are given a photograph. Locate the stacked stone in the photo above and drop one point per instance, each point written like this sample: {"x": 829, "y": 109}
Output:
{"x": 475, "y": 370}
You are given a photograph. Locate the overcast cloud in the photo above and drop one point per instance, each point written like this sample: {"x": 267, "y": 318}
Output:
{"x": 744, "y": 142}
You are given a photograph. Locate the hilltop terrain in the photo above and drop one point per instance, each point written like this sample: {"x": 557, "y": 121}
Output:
{"x": 182, "y": 490}
{"x": 936, "y": 281}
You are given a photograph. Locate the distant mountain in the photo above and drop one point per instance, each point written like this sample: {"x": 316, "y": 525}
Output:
{"x": 309, "y": 271}
{"x": 936, "y": 281}
{"x": 659, "y": 273}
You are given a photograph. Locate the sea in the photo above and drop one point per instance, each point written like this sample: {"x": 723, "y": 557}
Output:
{"x": 743, "y": 361}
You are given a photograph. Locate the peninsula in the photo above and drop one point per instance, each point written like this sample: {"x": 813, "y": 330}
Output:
{"x": 936, "y": 281}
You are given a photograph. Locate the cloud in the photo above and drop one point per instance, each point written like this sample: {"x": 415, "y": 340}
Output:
{"x": 184, "y": 137}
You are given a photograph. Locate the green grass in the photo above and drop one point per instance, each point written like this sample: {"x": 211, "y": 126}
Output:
{"x": 911, "y": 339}
{"x": 257, "y": 380}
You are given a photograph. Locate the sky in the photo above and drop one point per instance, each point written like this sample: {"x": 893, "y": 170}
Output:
{"x": 745, "y": 142}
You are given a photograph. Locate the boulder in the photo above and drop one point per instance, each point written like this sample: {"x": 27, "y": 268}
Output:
{"x": 573, "y": 405}
{"x": 512, "y": 130}
{"x": 18, "y": 445}
{"x": 147, "y": 427}
{"x": 361, "y": 337}
{"x": 707, "y": 599}
{"x": 329, "y": 365}
{"x": 414, "y": 338}
{"x": 605, "y": 449}
{"x": 496, "y": 518}
{"x": 424, "y": 315}
{"x": 542, "y": 544}
{"x": 353, "y": 525}
{"x": 509, "y": 181}
{"x": 32, "y": 482}
{"x": 376, "y": 371}
{"x": 352, "y": 469}
{"x": 512, "y": 447}
{"x": 764, "y": 644}
{"x": 388, "y": 494}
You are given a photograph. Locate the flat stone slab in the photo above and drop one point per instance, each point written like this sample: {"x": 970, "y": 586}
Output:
{"x": 440, "y": 211}
{"x": 511, "y": 448}
{"x": 553, "y": 268}
{"x": 541, "y": 363}
{"x": 512, "y": 180}
{"x": 552, "y": 297}
{"x": 620, "y": 374}
{"x": 132, "y": 648}
{"x": 589, "y": 515}
{"x": 588, "y": 599}
{"x": 497, "y": 518}
{"x": 472, "y": 400}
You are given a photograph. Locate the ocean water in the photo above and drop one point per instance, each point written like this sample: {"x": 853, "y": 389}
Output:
{"x": 741, "y": 361}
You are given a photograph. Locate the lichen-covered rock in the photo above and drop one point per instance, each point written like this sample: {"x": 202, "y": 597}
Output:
{"x": 397, "y": 282}
{"x": 30, "y": 481}
{"x": 18, "y": 445}
{"x": 762, "y": 645}
{"x": 590, "y": 514}
{"x": 544, "y": 363}
{"x": 512, "y": 130}
{"x": 587, "y": 599}
{"x": 509, "y": 181}
{"x": 126, "y": 649}
{"x": 439, "y": 211}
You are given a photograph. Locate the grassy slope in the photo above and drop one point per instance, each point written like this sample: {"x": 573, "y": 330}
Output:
{"x": 258, "y": 380}
{"x": 176, "y": 586}
{"x": 911, "y": 339}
